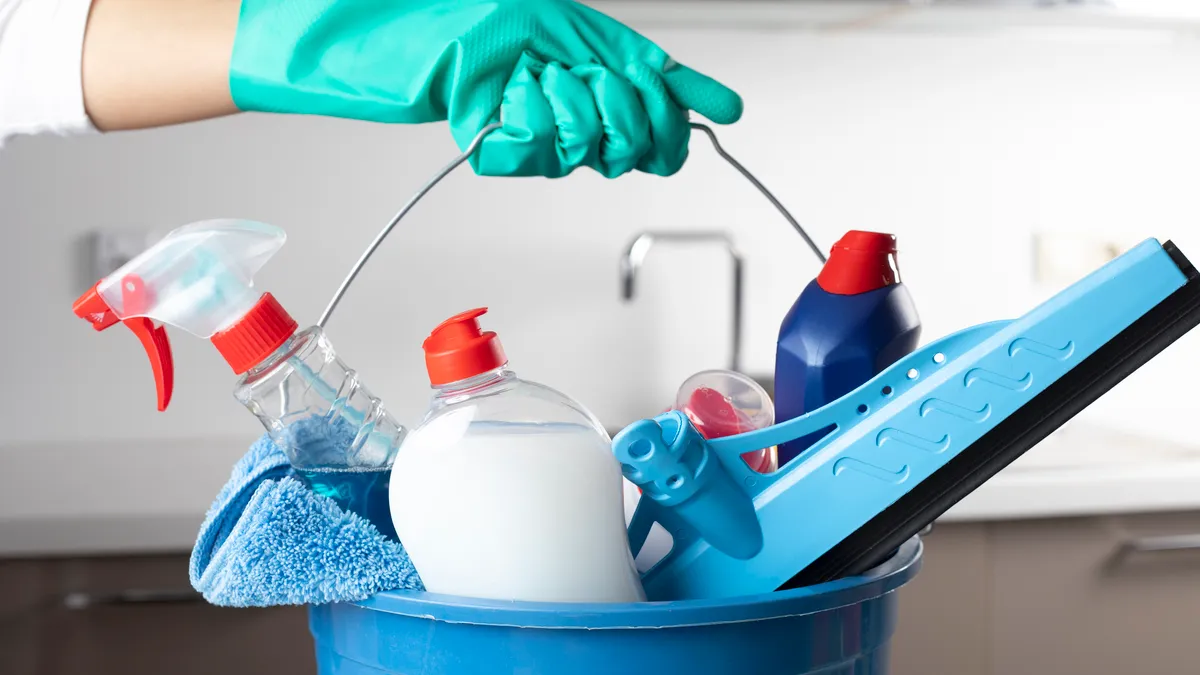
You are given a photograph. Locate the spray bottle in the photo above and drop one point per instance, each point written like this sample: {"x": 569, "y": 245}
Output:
{"x": 337, "y": 436}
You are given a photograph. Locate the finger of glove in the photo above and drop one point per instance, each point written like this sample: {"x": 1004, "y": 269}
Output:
{"x": 626, "y": 127}
{"x": 669, "y": 130}
{"x": 699, "y": 92}
{"x": 575, "y": 115}
{"x": 617, "y": 45}
{"x": 527, "y": 143}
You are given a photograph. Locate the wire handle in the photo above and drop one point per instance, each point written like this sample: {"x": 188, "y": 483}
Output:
{"x": 387, "y": 229}
{"x": 474, "y": 145}
{"x": 761, "y": 188}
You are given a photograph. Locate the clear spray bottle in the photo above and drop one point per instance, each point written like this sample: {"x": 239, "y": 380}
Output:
{"x": 337, "y": 436}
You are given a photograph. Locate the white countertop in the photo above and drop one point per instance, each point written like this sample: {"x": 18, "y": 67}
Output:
{"x": 52, "y": 504}
{"x": 1081, "y": 470}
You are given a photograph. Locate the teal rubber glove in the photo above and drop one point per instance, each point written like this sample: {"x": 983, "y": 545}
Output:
{"x": 571, "y": 86}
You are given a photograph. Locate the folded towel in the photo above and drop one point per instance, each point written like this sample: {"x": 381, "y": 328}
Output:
{"x": 269, "y": 540}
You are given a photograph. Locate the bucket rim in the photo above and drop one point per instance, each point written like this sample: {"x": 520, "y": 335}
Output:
{"x": 878, "y": 581}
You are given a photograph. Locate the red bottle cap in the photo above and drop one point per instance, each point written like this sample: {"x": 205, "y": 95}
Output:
{"x": 256, "y": 335}
{"x": 860, "y": 262}
{"x": 458, "y": 349}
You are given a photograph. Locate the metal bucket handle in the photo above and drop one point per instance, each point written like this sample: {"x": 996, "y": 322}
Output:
{"x": 473, "y": 146}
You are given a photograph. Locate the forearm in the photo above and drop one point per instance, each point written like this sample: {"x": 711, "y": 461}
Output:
{"x": 149, "y": 63}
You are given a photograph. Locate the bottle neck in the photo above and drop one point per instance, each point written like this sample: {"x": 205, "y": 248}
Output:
{"x": 295, "y": 345}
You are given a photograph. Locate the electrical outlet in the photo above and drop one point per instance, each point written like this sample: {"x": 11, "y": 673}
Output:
{"x": 108, "y": 250}
{"x": 1065, "y": 257}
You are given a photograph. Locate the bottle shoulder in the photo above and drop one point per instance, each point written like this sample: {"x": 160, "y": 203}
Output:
{"x": 818, "y": 310}
{"x": 516, "y": 405}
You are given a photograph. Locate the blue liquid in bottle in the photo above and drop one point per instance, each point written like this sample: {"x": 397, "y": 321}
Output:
{"x": 338, "y": 438}
{"x": 362, "y": 492}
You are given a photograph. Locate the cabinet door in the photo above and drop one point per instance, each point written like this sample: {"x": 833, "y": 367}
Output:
{"x": 944, "y": 627}
{"x": 1097, "y": 595}
{"x": 135, "y": 616}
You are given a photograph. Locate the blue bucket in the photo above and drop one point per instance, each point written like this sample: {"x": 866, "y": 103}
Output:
{"x": 843, "y": 626}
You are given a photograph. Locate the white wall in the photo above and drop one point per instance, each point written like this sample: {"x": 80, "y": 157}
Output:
{"x": 963, "y": 145}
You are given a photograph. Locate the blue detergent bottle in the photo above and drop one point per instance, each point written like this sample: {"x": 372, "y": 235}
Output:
{"x": 850, "y": 323}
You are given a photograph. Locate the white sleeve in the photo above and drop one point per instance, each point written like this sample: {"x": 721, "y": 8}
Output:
{"x": 41, "y": 67}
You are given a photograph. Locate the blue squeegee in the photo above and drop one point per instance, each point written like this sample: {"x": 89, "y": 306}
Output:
{"x": 896, "y": 453}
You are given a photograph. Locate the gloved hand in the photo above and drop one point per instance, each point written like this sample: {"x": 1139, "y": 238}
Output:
{"x": 571, "y": 86}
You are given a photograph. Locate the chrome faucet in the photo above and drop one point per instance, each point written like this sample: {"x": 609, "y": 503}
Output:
{"x": 635, "y": 256}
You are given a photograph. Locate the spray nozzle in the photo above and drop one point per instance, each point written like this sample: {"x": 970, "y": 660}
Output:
{"x": 200, "y": 278}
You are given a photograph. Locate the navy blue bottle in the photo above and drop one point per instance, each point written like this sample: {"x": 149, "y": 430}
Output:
{"x": 851, "y": 322}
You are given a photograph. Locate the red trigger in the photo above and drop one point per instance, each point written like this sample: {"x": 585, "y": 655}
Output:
{"x": 154, "y": 341}
{"x": 135, "y": 299}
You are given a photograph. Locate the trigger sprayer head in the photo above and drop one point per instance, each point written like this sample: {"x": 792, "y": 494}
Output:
{"x": 200, "y": 278}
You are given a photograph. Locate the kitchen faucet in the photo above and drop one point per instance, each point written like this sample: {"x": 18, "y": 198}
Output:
{"x": 639, "y": 247}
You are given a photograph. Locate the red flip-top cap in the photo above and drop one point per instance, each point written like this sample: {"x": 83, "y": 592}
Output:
{"x": 256, "y": 335}
{"x": 860, "y": 262}
{"x": 459, "y": 349}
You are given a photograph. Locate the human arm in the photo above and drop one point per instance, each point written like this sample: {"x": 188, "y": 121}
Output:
{"x": 571, "y": 86}
{"x": 69, "y": 66}
{"x": 150, "y": 63}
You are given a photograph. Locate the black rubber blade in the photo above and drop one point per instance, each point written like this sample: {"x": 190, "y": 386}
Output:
{"x": 875, "y": 541}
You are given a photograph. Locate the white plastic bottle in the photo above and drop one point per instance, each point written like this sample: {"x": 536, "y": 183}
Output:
{"x": 508, "y": 489}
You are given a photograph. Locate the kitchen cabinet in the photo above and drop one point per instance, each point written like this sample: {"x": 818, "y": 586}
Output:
{"x": 1074, "y": 597}
{"x": 66, "y": 617}
{"x": 1094, "y": 595}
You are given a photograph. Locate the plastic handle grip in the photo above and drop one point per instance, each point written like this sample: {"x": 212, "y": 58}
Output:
{"x": 676, "y": 469}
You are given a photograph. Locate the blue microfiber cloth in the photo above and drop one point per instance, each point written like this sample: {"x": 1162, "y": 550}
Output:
{"x": 270, "y": 540}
